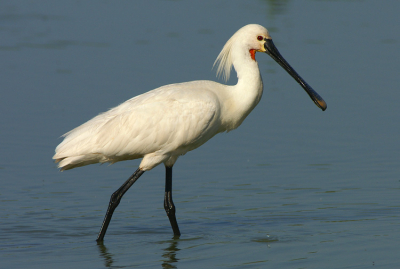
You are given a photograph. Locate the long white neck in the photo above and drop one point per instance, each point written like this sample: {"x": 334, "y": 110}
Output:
{"x": 245, "y": 95}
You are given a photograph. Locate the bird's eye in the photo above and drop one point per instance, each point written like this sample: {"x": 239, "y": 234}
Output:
{"x": 259, "y": 38}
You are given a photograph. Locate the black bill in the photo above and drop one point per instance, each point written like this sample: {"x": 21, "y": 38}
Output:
{"x": 272, "y": 51}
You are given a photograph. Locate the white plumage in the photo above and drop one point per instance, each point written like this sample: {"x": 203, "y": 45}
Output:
{"x": 159, "y": 125}
{"x": 167, "y": 122}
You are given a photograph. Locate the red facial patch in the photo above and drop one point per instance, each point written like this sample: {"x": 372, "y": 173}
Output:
{"x": 253, "y": 54}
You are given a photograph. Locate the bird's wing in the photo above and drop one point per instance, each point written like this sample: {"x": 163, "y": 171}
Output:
{"x": 171, "y": 118}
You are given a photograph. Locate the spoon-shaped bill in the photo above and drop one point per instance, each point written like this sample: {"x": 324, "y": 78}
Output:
{"x": 272, "y": 51}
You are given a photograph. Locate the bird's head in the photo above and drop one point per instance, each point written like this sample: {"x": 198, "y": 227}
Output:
{"x": 255, "y": 38}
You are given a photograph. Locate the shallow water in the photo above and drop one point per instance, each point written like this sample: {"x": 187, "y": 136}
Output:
{"x": 293, "y": 187}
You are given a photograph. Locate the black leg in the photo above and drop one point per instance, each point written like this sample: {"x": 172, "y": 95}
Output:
{"x": 168, "y": 203}
{"x": 114, "y": 202}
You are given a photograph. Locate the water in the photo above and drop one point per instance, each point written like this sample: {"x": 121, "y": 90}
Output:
{"x": 293, "y": 187}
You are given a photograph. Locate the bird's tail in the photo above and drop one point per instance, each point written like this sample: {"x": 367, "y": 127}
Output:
{"x": 66, "y": 163}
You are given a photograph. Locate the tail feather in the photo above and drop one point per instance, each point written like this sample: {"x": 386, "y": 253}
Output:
{"x": 77, "y": 161}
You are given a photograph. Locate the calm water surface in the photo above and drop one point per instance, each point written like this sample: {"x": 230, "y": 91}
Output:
{"x": 293, "y": 187}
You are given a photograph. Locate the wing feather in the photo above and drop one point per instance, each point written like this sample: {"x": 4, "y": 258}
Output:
{"x": 172, "y": 119}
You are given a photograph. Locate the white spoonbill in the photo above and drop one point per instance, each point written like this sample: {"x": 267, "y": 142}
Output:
{"x": 165, "y": 123}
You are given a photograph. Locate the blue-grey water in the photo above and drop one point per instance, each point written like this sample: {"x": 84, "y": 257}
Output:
{"x": 293, "y": 187}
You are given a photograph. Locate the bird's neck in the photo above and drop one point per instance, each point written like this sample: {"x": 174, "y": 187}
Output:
{"x": 247, "y": 93}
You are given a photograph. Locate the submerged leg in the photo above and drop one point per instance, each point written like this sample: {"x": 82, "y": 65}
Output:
{"x": 168, "y": 203}
{"x": 114, "y": 202}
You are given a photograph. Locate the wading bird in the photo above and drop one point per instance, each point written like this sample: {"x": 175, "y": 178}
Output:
{"x": 167, "y": 122}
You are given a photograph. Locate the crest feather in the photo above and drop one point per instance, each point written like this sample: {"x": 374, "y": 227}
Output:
{"x": 224, "y": 60}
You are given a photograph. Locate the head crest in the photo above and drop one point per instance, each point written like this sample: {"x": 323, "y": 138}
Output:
{"x": 224, "y": 60}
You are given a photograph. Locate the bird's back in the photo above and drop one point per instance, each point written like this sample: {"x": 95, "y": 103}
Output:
{"x": 167, "y": 121}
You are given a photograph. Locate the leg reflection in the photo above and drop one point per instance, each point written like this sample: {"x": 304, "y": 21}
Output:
{"x": 108, "y": 258}
{"x": 169, "y": 255}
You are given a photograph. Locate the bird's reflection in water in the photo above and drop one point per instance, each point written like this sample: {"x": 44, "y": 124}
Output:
{"x": 169, "y": 255}
{"x": 108, "y": 260}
